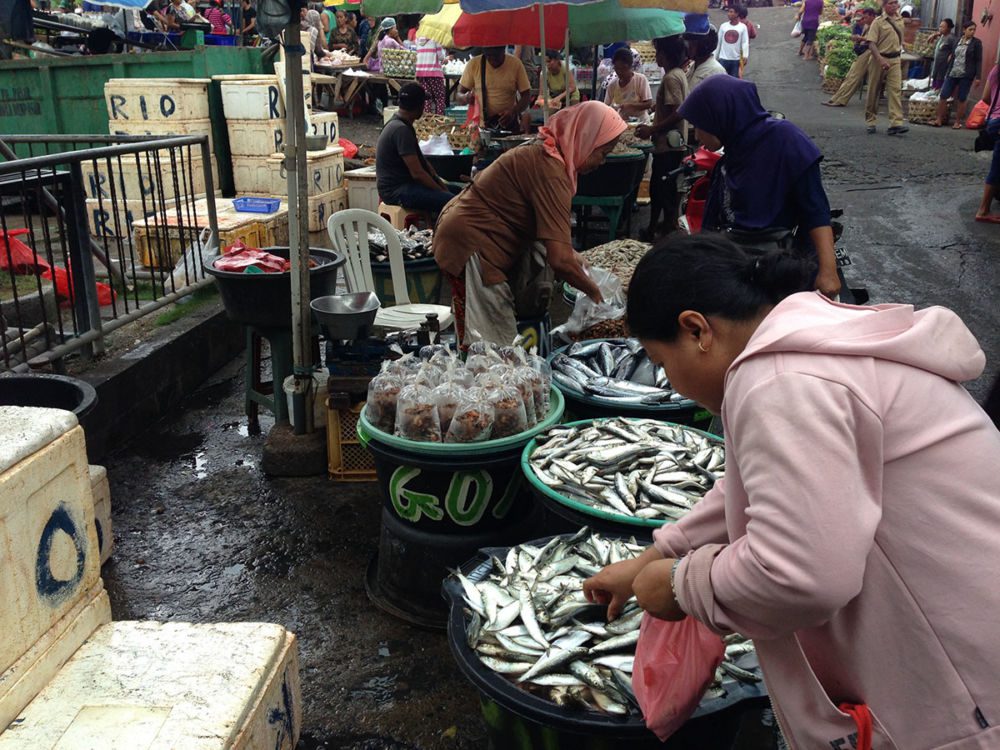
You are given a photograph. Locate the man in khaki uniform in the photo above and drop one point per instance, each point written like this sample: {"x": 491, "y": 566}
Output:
{"x": 859, "y": 68}
{"x": 885, "y": 42}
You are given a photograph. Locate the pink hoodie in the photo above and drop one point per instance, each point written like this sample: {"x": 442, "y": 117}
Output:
{"x": 856, "y": 535}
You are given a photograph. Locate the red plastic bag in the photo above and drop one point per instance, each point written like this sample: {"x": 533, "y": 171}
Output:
{"x": 674, "y": 664}
{"x": 977, "y": 117}
{"x": 472, "y": 114}
{"x": 350, "y": 150}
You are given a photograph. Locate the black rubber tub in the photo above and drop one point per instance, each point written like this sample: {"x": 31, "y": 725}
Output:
{"x": 451, "y": 167}
{"x": 51, "y": 391}
{"x": 265, "y": 299}
{"x": 619, "y": 175}
{"x": 515, "y": 718}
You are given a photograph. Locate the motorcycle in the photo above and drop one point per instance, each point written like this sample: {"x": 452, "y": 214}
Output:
{"x": 697, "y": 168}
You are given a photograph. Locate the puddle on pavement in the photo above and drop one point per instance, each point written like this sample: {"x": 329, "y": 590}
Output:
{"x": 200, "y": 465}
{"x": 240, "y": 428}
{"x": 352, "y": 742}
{"x": 167, "y": 446}
{"x": 384, "y": 690}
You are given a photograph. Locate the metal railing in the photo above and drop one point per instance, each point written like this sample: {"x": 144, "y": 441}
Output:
{"x": 96, "y": 232}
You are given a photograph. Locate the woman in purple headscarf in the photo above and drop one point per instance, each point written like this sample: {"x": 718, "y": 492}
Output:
{"x": 769, "y": 177}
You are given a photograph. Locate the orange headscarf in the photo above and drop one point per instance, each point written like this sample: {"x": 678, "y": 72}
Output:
{"x": 573, "y": 133}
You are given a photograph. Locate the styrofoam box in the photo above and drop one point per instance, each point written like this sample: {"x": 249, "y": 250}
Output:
{"x": 322, "y": 207}
{"x": 133, "y": 180}
{"x": 115, "y": 219}
{"x": 269, "y": 177}
{"x": 362, "y": 189}
{"x": 167, "y": 686}
{"x": 47, "y": 535}
{"x": 259, "y": 138}
{"x": 279, "y": 70}
{"x": 100, "y": 490}
{"x": 157, "y": 98}
{"x": 162, "y": 127}
{"x": 325, "y": 123}
{"x": 251, "y": 97}
{"x": 306, "y": 58}
{"x": 388, "y": 113}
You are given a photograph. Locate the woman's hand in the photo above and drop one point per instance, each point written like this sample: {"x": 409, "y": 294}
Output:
{"x": 655, "y": 593}
{"x": 613, "y": 585}
{"x": 644, "y": 131}
{"x": 828, "y": 283}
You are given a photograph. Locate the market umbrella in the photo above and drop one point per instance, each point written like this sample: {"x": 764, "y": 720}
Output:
{"x": 383, "y": 8}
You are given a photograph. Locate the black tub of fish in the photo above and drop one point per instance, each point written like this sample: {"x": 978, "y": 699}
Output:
{"x": 616, "y": 378}
{"x": 552, "y": 673}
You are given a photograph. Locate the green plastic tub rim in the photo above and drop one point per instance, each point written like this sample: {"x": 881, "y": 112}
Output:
{"x": 538, "y": 484}
{"x": 604, "y": 403}
{"x": 367, "y": 432}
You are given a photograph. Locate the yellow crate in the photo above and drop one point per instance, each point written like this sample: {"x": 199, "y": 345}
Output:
{"x": 161, "y": 247}
{"x": 347, "y": 459}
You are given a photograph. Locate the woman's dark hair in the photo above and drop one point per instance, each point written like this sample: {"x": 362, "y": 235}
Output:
{"x": 741, "y": 11}
{"x": 710, "y": 274}
{"x": 553, "y": 54}
{"x": 673, "y": 49}
{"x": 967, "y": 24}
{"x": 949, "y": 23}
{"x": 705, "y": 45}
{"x": 623, "y": 55}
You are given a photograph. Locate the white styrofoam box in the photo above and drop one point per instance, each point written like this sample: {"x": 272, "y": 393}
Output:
{"x": 362, "y": 189}
{"x": 322, "y": 207}
{"x": 306, "y": 58}
{"x": 49, "y": 555}
{"x": 251, "y": 97}
{"x": 160, "y": 686}
{"x": 157, "y": 98}
{"x": 388, "y": 113}
{"x": 279, "y": 70}
{"x": 162, "y": 127}
{"x": 100, "y": 490}
{"x": 115, "y": 219}
{"x": 26, "y": 677}
{"x": 146, "y": 177}
{"x": 325, "y": 123}
{"x": 259, "y": 138}
{"x": 269, "y": 177}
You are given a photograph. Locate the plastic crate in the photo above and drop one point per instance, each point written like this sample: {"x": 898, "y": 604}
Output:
{"x": 257, "y": 205}
{"x": 220, "y": 40}
{"x": 347, "y": 459}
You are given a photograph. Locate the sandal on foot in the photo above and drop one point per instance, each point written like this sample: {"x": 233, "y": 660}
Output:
{"x": 989, "y": 218}
{"x": 957, "y": 126}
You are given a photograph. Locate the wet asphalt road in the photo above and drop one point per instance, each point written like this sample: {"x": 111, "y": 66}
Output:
{"x": 202, "y": 535}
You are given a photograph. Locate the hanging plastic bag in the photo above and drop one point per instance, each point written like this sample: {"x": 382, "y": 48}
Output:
{"x": 187, "y": 270}
{"x": 797, "y": 29}
{"x": 587, "y": 313}
{"x": 674, "y": 664}
{"x": 977, "y": 117}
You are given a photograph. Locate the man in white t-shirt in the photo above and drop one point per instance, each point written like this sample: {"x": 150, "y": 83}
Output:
{"x": 734, "y": 43}
{"x": 628, "y": 92}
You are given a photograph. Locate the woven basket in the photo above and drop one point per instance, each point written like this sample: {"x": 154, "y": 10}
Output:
{"x": 831, "y": 84}
{"x": 431, "y": 125}
{"x": 459, "y": 138}
{"x": 922, "y": 112}
{"x": 399, "y": 63}
{"x": 646, "y": 50}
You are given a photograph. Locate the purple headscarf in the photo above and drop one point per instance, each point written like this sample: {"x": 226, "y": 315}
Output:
{"x": 764, "y": 157}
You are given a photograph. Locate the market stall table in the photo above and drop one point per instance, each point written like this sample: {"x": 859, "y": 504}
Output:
{"x": 327, "y": 77}
{"x": 361, "y": 80}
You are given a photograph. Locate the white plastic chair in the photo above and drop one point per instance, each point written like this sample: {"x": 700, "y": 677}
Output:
{"x": 348, "y": 231}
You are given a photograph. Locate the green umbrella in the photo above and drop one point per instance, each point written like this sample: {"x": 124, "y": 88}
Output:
{"x": 607, "y": 21}
{"x": 383, "y": 8}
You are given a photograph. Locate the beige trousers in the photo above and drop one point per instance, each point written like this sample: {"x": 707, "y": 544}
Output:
{"x": 853, "y": 80}
{"x": 892, "y": 80}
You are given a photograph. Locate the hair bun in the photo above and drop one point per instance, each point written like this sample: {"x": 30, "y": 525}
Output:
{"x": 778, "y": 275}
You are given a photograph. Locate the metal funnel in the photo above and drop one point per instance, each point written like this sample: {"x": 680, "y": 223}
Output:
{"x": 346, "y": 317}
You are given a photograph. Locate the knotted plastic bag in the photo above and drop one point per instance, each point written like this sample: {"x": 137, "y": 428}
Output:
{"x": 587, "y": 313}
{"x": 674, "y": 664}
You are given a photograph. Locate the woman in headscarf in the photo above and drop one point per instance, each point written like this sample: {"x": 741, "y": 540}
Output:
{"x": 497, "y": 240}
{"x": 769, "y": 177}
{"x": 311, "y": 20}
{"x": 388, "y": 38}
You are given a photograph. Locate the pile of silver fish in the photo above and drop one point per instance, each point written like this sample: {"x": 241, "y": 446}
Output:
{"x": 639, "y": 468}
{"x": 619, "y": 371}
{"x": 527, "y": 619}
{"x": 416, "y": 244}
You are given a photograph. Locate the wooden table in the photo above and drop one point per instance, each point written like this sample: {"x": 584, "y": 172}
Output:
{"x": 328, "y": 77}
{"x": 358, "y": 83}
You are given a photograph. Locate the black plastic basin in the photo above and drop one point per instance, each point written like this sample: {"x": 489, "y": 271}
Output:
{"x": 451, "y": 167}
{"x": 619, "y": 175}
{"x": 51, "y": 391}
{"x": 265, "y": 299}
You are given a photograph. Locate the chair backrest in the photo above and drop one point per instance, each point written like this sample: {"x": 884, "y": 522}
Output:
{"x": 348, "y": 231}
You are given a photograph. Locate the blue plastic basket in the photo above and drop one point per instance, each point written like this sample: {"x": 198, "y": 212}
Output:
{"x": 220, "y": 40}
{"x": 257, "y": 205}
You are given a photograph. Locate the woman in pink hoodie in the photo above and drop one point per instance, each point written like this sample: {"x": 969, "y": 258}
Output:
{"x": 856, "y": 534}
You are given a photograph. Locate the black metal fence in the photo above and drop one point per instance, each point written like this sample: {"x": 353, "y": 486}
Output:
{"x": 95, "y": 233}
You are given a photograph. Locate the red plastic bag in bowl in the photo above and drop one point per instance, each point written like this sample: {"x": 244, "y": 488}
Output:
{"x": 350, "y": 150}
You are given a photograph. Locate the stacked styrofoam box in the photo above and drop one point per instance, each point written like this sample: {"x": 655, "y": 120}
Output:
{"x": 362, "y": 189}
{"x": 70, "y": 678}
{"x": 100, "y": 490}
{"x": 120, "y": 190}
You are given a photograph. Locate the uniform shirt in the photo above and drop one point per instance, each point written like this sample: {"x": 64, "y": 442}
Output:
{"x": 886, "y": 34}
{"x": 397, "y": 139}
{"x": 502, "y": 84}
{"x": 523, "y": 197}
{"x": 635, "y": 91}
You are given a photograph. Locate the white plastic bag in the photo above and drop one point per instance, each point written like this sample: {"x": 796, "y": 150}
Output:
{"x": 586, "y": 312}
{"x": 436, "y": 145}
{"x": 189, "y": 266}
{"x": 797, "y": 29}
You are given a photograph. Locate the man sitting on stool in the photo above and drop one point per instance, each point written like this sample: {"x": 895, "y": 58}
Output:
{"x": 403, "y": 175}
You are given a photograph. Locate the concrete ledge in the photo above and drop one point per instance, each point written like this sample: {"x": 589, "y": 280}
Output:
{"x": 142, "y": 385}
